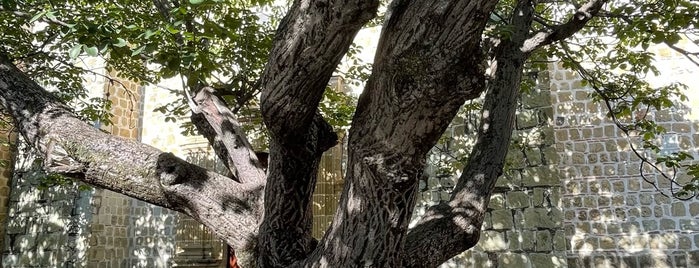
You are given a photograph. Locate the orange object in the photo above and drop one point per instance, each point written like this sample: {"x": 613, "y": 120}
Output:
{"x": 232, "y": 260}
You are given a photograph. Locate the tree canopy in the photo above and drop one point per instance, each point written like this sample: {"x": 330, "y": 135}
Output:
{"x": 431, "y": 58}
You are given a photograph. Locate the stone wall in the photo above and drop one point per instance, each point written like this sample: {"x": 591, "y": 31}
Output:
{"x": 45, "y": 224}
{"x": 612, "y": 216}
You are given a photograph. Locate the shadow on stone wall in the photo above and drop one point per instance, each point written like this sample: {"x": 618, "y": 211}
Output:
{"x": 46, "y": 226}
{"x": 612, "y": 216}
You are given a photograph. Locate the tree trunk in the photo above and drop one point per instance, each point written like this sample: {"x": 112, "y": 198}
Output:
{"x": 429, "y": 61}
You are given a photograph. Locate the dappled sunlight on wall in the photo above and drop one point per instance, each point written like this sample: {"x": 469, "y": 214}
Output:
{"x": 46, "y": 225}
{"x": 612, "y": 216}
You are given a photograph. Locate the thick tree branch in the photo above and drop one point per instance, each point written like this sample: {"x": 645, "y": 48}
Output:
{"x": 310, "y": 42}
{"x": 427, "y": 64}
{"x": 547, "y": 36}
{"x": 229, "y": 209}
{"x": 227, "y": 137}
{"x": 451, "y": 228}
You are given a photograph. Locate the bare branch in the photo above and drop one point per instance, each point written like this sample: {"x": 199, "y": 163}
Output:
{"x": 691, "y": 56}
{"x": 54, "y": 21}
{"x": 227, "y": 137}
{"x": 448, "y": 229}
{"x": 547, "y": 36}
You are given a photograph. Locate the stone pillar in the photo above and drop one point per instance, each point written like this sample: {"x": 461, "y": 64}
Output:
{"x": 6, "y": 141}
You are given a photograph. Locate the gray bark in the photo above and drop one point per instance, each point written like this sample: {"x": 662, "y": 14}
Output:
{"x": 310, "y": 42}
{"x": 76, "y": 148}
{"x": 428, "y": 63}
{"x": 218, "y": 124}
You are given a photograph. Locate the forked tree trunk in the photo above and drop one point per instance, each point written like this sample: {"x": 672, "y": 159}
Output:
{"x": 429, "y": 61}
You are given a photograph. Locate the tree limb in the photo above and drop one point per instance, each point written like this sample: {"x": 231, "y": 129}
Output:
{"x": 227, "y": 137}
{"x": 547, "y": 36}
{"x": 451, "y": 228}
{"x": 310, "y": 41}
{"x": 231, "y": 210}
{"x": 427, "y": 64}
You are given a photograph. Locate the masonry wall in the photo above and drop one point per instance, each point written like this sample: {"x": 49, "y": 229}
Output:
{"x": 612, "y": 216}
{"x": 46, "y": 224}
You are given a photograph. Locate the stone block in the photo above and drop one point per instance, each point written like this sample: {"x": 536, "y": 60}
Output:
{"x": 536, "y": 98}
{"x": 544, "y": 242}
{"x": 546, "y": 197}
{"x": 514, "y": 260}
{"x": 515, "y": 159}
{"x": 541, "y": 176}
{"x": 667, "y": 224}
{"x": 689, "y": 225}
{"x": 497, "y": 201}
{"x": 650, "y": 225}
{"x": 16, "y": 226}
{"x": 527, "y": 240}
{"x": 527, "y": 119}
{"x": 559, "y": 241}
{"x": 684, "y": 243}
{"x": 548, "y": 136}
{"x": 546, "y": 260}
{"x": 550, "y": 155}
{"x": 679, "y": 209}
{"x": 502, "y": 219}
{"x": 511, "y": 179}
{"x": 492, "y": 241}
{"x": 517, "y": 199}
{"x": 607, "y": 243}
{"x": 514, "y": 240}
{"x": 542, "y": 218}
{"x": 25, "y": 243}
{"x": 533, "y": 156}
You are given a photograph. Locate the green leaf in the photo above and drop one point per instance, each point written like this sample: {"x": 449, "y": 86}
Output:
{"x": 196, "y": 2}
{"x": 51, "y": 15}
{"x": 75, "y": 51}
{"x": 37, "y": 16}
{"x": 92, "y": 51}
{"x": 120, "y": 42}
{"x": 138, "y": 51}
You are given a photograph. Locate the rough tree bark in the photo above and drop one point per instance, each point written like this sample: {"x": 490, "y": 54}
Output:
{"x": 230, "y": 209}
{"x": 429, "y": 61}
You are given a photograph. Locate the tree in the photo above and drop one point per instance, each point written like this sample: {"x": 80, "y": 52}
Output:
{"x": 432, "y": 57}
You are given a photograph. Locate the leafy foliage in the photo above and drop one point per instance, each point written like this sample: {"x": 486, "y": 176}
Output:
{"x": 224, "y": 44}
